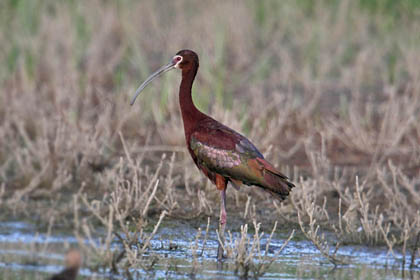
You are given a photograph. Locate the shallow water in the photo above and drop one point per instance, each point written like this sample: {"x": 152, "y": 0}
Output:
{"x": 22, "y": 256}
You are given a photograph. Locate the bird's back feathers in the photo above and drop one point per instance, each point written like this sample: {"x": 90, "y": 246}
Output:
{"x": 217, "y": 149}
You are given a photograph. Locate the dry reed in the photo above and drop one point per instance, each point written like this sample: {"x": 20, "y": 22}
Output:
{"x": 329, "y": 93}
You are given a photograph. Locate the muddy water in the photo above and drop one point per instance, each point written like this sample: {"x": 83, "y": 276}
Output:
{"x": 23, "y": 255}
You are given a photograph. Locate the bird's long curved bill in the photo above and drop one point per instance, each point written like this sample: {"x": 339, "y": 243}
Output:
{"x": 160, "y": 71}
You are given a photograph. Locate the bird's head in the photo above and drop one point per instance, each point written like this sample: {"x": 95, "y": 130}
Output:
{"x": 186, "y": 60}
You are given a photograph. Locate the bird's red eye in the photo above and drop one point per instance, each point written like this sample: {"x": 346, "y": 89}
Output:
{"x": 178, "y": 58}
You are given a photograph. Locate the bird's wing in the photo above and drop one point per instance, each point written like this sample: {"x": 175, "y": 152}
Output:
{"x": 219, "y": 144}
{"x": 223, "y": 151}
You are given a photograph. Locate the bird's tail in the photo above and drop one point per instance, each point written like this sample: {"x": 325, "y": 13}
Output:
{"x": 272, "y": 180}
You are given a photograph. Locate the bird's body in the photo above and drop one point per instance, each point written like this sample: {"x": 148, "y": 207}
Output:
{"x": 225, "y": 155}
{"x": 221, "y": 153}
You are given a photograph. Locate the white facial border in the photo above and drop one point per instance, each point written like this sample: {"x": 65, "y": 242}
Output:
{"x": 177, "y": 64}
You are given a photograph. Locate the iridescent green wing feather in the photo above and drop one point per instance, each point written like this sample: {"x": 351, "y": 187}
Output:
{"x": 214, "y": 158}
{"x": 223, "y": 151}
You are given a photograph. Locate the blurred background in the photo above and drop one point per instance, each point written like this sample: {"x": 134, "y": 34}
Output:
{"x": 70, "y": 67}
{"x": 325, "y": 89}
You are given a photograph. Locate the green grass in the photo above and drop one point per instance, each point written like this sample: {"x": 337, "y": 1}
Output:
{"x": 327, "y": 89}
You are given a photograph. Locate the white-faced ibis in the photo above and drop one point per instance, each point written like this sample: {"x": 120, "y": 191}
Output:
{"x": 222, "y": 154}
{"x": 73, "y": 263}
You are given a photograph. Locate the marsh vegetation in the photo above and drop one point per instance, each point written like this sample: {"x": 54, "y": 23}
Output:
{"x": 328, "y": 90}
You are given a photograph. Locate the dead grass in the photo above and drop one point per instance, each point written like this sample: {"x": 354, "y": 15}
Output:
{"x": 250, "y": 255}
{"x": 329, "y": 94}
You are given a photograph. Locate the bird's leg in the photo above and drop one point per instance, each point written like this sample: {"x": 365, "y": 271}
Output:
{"x": 222, "y": 223}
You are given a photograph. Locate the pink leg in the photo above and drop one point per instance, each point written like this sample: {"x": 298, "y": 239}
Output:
{"x": 222, "y": 223}
{"x": 223, "y": 207}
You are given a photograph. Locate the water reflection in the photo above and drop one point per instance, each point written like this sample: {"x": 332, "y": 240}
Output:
{"x": 22, "y": 258}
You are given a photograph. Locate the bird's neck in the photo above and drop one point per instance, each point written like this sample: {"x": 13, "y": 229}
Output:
{"x": 190, "y": 114}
